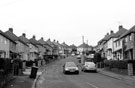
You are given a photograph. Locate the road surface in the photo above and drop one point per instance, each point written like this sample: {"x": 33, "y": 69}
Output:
{"x": 53, "y": 77}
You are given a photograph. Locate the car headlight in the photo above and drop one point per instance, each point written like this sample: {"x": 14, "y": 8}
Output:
{"x": 77, "y": 69}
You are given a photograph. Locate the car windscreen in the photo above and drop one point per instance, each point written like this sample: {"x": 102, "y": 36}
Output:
{"x": 70, "y": 65}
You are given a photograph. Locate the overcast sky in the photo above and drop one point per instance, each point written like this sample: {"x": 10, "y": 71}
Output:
{"x": 66, "y": 20}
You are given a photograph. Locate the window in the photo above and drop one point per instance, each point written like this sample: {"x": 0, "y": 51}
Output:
{"x": 130, "y": 37}
{"x": 126, "y": 39}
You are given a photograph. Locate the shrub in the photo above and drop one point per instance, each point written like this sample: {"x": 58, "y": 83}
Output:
{"x": 121, "y": 64}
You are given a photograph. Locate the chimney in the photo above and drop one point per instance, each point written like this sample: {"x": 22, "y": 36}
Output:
{"x": 42, "y": 38}
{"x": 54, "y": 40}
{"x": 11, "y": 30}
{"x": 111, "y": 32}
{"x": 24, "y": 35}
{"x": 120, "y": 27}
{"x": 57, "y": 41}
{"x": 34, "y": 36}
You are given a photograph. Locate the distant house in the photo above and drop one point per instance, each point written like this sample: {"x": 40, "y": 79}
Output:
{"x": 39, "y": 49}
{"x": 5, "y": 46}
{"x": 73, "y": 49}
{"x": 21, "y": 46}
{"x": 84, "y": 48}
{"x": 54, "y": 47}
{"x": 65, "y": 48}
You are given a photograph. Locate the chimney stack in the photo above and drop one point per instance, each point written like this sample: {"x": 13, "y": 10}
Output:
{"x": 24, "y": 34}
{"x": 111, "y": 32}
{"x": 11, "y": 30}
{"x": 42, "y": 38}
{"x": 34, "y": 36}
{"x": 120, "y": 27}
{"x": 54, "y": 40}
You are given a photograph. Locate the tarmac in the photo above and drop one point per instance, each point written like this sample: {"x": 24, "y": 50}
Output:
{"x": 24, "y": 81}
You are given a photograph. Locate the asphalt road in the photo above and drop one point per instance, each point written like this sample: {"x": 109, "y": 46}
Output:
{"x": 53, "y": 77}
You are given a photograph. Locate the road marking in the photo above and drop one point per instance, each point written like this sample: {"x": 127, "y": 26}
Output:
{"x": 92, "y": 85}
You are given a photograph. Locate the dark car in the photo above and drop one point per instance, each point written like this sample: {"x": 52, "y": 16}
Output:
{"x": 70, "y": 67}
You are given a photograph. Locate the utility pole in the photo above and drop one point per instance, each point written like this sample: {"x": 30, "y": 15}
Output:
{"x": 82, "y": 59}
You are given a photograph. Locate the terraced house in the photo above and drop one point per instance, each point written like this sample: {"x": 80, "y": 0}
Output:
{"x": 110, "y": 47}
{"x": 7, "y": 45}
{"x": 128, "y": 44}
{"x": 21, "y": 47}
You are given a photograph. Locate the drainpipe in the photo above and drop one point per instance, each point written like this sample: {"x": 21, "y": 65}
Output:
{"x": 133, "y": 34}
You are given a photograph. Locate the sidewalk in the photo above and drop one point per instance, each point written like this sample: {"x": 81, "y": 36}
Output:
{"x": 130, "y": 80}
{"x": 23, "y": 81}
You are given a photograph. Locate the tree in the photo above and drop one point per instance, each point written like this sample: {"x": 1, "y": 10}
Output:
{"x": 97, "y": 58}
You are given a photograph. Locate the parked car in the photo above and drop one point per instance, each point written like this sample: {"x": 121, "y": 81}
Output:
{"x": 89, "y": 66}
{"x": 70, "y": 67}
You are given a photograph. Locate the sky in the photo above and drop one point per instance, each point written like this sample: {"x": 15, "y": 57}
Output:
{"x": 66, "y": 20}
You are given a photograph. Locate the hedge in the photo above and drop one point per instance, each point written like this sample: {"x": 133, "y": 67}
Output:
{"x": 120, "y": 64}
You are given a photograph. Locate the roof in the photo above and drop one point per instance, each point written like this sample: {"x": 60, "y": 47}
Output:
{"x": 132, "y": 29}
{"x": 120, "y": 32}
{"x": 50, "y": 43}
{"x": 2, "y": 33}
{"x": 65, "y": 45}
{"x": 34, "y": 41}
{"x": 84, "y": 45}
{"x": 14, "y": 37}
{"x": 24, "y": 39}
{"x": 73, "y": 46}
{"x": 41, "y": 41}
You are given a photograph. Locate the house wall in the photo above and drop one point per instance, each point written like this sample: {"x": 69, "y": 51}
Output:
{"x": 4, "y": 45}
{"x": 110, "y": 48}
{"x": 41, "y": 51}
{"x": 33, "y": 52}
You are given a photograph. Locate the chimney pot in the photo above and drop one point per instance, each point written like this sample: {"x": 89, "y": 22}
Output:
{"x": 34, "y": 36}
{"x": 42, "y": 38}
{"x": 111, "y": 31}
{"x": 120, "y": 27}
{"x": 11, "y": 30}
{"x": 24, "y": 34}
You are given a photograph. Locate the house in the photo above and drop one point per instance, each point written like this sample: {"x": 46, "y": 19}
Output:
{"x": 54, "y": 47}
{"x": 21, "y": 46}
{"x": 73, "y": 49}
{"x": 7, "y": 45}
{"x": 48, "y": 47}
{"x": 118, "y": 46}
{"x": 128, "y": 44}
{"x": 109, "y": 46}
{"x": 84, "y": 48}
{"x": 65, "y": 48}
{"x": 102, "y": 46}
{"x": 39, "y": 49}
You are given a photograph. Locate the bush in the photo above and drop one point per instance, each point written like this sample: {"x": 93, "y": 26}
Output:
{"x": 121, "y": 64}
{"x": 29, "y": 63}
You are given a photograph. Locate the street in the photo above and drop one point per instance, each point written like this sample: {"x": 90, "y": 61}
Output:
{"x": 53, "y": 77}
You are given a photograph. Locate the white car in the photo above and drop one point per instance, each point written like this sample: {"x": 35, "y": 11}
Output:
{"x": 70, "y": 67}
{"x": 89, "y": 66}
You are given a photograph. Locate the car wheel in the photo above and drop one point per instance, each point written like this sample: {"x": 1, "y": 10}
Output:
{"x": 77, "y": 72}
